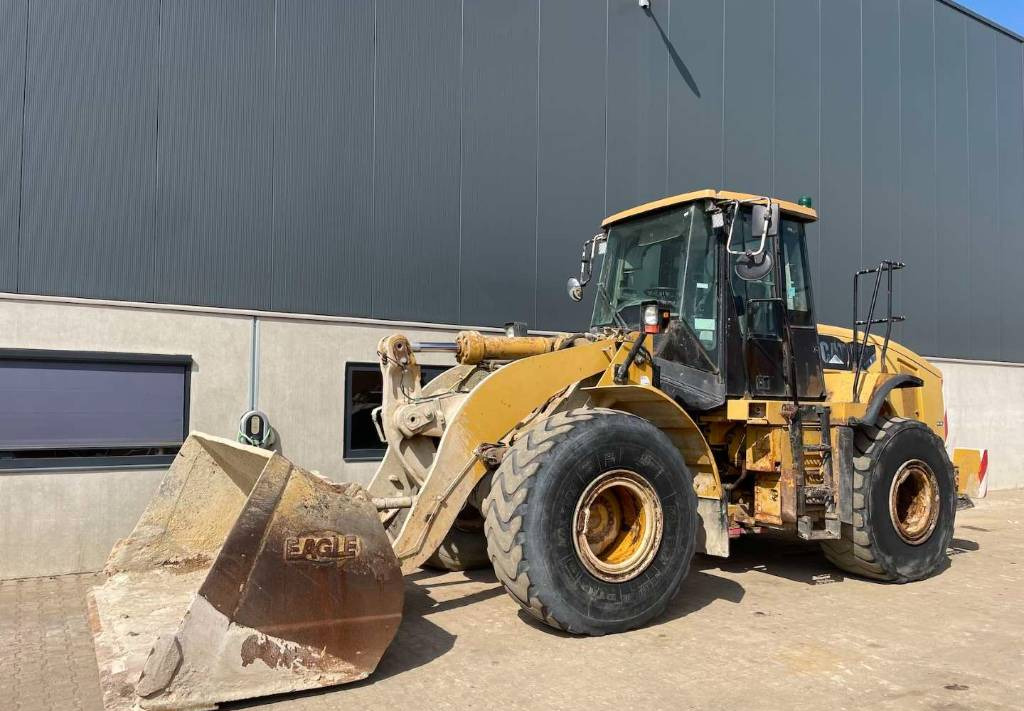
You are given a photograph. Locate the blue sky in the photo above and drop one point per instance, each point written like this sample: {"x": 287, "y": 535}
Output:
{"x": 1008, "y": 13}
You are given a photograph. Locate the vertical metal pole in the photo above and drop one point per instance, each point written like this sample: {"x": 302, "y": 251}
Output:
{"x": 888, "y": 320}
{"x": 254, "y": 364}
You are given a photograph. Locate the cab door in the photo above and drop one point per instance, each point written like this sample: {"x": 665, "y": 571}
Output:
{"x": 761, "y": 308}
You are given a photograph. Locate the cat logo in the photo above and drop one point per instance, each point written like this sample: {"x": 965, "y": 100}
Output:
{"x": 321, "y": 547}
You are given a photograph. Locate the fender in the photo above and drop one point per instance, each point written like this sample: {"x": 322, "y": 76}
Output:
{"x": 881, "y": 394}
{"x": 665, "y": 413}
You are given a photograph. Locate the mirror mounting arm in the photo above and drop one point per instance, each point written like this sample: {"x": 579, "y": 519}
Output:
{"x": 587, "y": 257}
{"x": 765, "y": 211}
{"x": 590, "y": 251}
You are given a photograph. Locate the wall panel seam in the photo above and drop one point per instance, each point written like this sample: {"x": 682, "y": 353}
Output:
{"x": 156, "y": 154}
{"x": 273, "y": 150}
{"x": 999, "y": 180}
{"x": 21, "y": 157}
{"x": 967, "y": 143}
{"x": 462, "y": 157}
{"x": 821, "y": 72}
{"x": 935, "y": 174}
{"x": 536, "y": 188}
{"x": 860, "y": 148}
{"x": 607, "y": 51}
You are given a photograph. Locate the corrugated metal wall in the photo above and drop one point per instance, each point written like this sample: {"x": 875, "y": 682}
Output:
{"x": 443, "y": 160}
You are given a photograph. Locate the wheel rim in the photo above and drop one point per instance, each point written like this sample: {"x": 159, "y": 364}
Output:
{"x": 914, "y": 502}
{"x": 617, "y": 526}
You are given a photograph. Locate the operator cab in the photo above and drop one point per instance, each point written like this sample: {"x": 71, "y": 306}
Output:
{"x": 732, "y": 271}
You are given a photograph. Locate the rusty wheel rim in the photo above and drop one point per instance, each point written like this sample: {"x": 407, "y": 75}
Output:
{"x": 617, "y": 526}
{"x": 914, "y": 502}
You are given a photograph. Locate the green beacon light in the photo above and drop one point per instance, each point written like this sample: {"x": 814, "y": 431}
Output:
{"x": 805, "y": 201}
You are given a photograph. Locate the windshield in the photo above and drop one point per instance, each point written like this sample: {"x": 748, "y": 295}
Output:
{"x": 669, "y": 256}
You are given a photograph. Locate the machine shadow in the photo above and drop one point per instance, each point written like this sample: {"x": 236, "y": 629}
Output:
{"x": 799, "y": 561}
{"x": 962, "y": 545}
{"x": 418, "y": 641}
{"x": 698, "y": 590}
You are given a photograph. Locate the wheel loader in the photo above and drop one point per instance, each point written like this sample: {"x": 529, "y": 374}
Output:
{"x": 703, "y": 402}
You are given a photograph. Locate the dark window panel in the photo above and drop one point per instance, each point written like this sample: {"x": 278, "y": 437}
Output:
{"x": 363, "y": 393}
{"x": 68, "y": 405}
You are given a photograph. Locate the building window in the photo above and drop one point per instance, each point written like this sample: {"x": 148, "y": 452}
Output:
{"x": 363, "y": 387}
{"x": 68, "y": 409}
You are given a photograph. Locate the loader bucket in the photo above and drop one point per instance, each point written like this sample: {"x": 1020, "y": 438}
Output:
{"x": 245, "y": 576}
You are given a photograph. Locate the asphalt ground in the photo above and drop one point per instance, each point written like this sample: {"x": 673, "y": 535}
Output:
{"x": 772, "y": 627}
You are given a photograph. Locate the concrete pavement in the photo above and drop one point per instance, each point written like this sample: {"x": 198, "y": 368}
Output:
{"x": 774, "y": 626}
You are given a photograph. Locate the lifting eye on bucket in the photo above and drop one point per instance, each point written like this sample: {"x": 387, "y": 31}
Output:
{"x": 254, "y": 429}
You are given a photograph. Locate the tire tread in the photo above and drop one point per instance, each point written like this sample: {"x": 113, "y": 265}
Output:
{"x": 855, "y": 550}
{"x": 507, "y": 502}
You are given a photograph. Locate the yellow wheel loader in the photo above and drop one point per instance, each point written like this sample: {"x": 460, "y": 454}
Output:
{"x": 702, "y": 403}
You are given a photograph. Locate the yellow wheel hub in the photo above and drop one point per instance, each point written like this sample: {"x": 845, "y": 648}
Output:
{"x": 618, "y": 525}
{"x": 914, "y": 502}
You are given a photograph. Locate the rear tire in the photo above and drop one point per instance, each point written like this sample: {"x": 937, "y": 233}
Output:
{"x": 465, "y": 546}
{"x": 591, "y": 521}
{"x": 904, "y": 504}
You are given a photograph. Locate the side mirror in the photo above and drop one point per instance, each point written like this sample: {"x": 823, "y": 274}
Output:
{"x": 575, "y": 289}
{"x": 754, "y": 267}
{"x": 764, "y": 222}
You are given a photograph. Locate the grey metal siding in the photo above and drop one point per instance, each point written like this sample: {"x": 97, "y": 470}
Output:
{"x": 214, "y": 153}
{"x": 570, "y": 149}
{"x": 796, "y": 157}
{"x": 749, "y": 96}
{"x": 499, "y": 161}
{"x": 416, "y": 176}
{"x": 952, "y": 185}
{"x": 636, "y": 153}
{"x": 841, "y": 185}
{"x": 323, "y": 158}
{"x": 444, "y": 160}
{"x": 13, "y": 20}
{"x": 983, "y": 132}
{"x": 917, "y": 214}
{"x": 88, "y": 183}
{"x": 1009, "y": 247}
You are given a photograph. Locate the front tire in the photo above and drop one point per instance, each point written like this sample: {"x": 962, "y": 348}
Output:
{"x": 904, "y": 504}
{"x": 591, "y": 521}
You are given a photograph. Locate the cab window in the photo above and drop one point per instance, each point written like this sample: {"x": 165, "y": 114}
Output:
{"x": 796, "y": 273}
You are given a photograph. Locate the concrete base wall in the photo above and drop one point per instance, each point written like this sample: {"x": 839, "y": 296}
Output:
{"x": 984, "y": 410}
{"x": 59, "y": 522}
{"x": 67, "y": 521}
